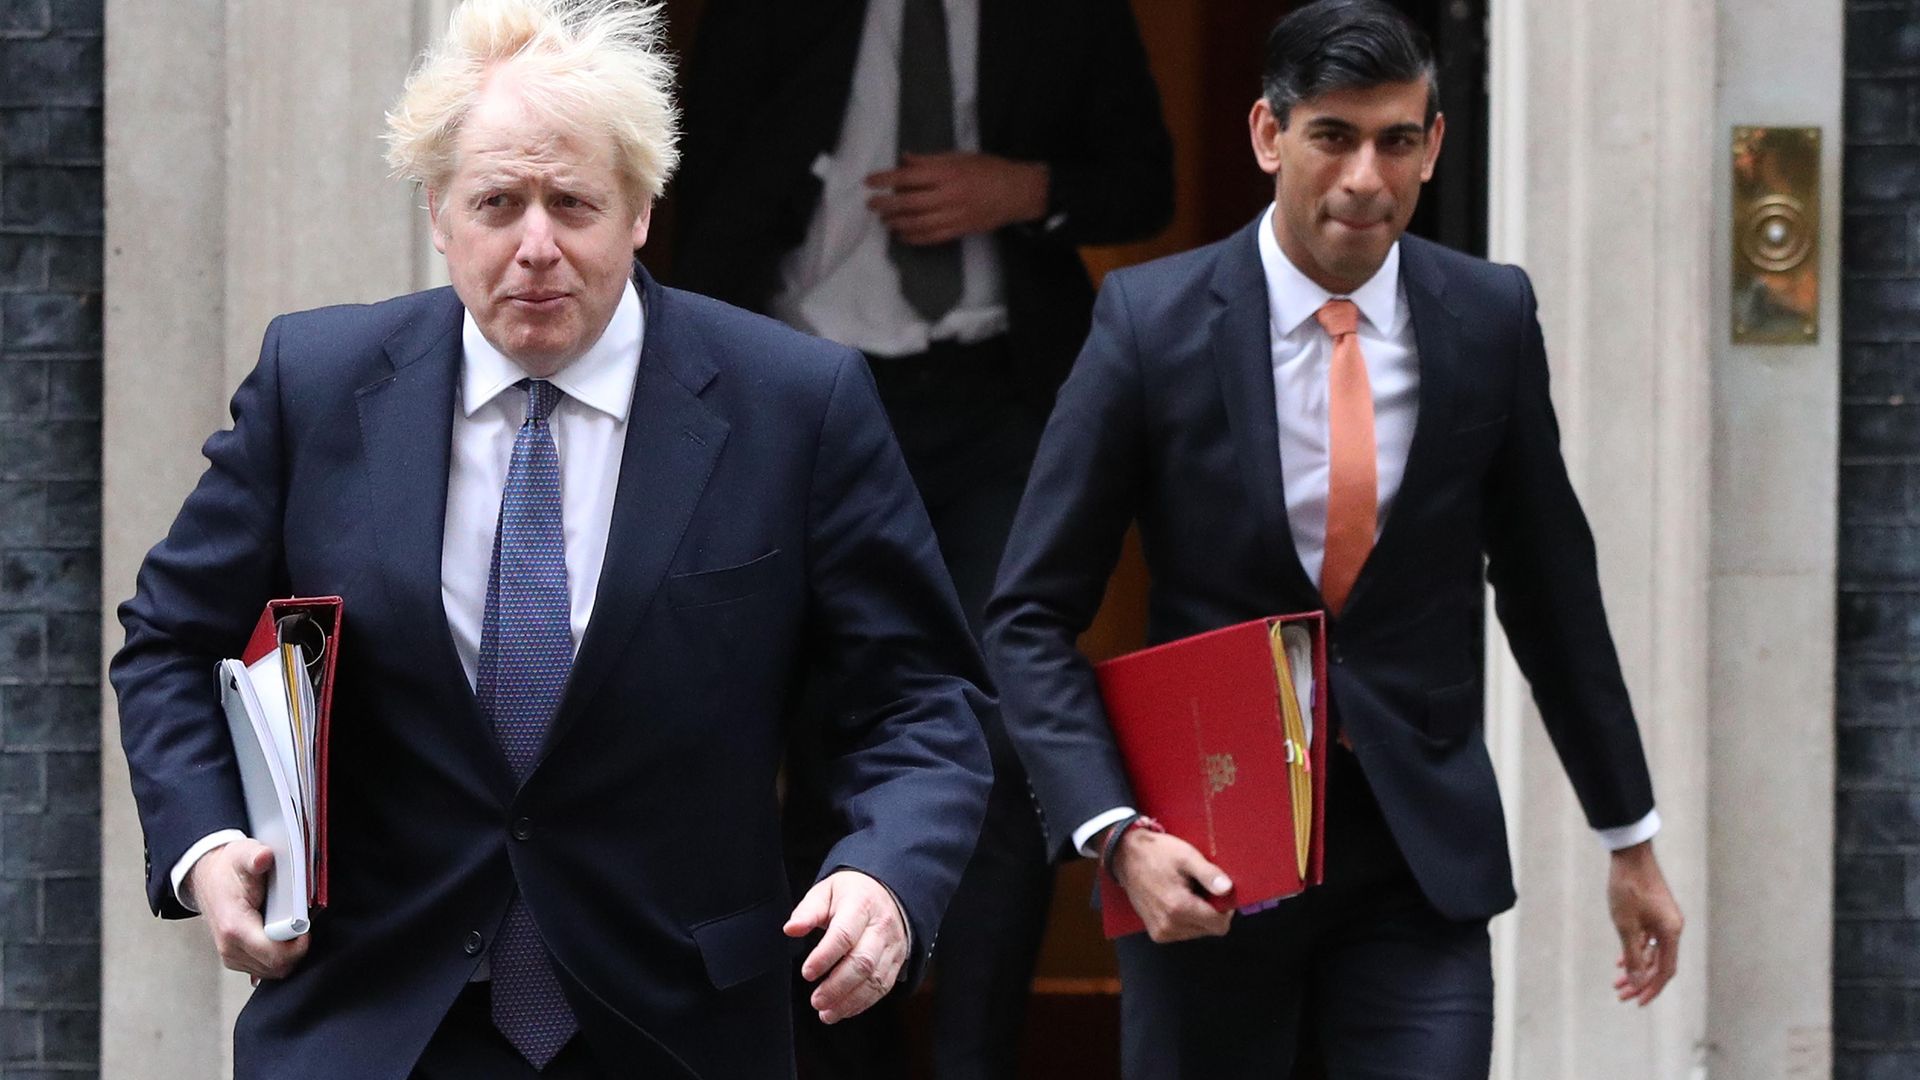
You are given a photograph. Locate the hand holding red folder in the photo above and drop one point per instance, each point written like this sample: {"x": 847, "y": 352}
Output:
{"x": 1164, "y": 877}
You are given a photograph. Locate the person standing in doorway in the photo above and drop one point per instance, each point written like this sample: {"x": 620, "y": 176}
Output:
{"x": 912, "y": 178}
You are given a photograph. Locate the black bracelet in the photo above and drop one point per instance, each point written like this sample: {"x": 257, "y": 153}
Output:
{"x": 1112, "y": 844}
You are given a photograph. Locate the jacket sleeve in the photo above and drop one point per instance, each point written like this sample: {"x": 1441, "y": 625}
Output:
{"x": 196, "y": 598}
{"x": 1084, "y": 491}
{"x": 725, "y": 76}
{"x": 1546, "y": 586}
{"x": 908, "y": 771}
{"x": 1114, "y": 182}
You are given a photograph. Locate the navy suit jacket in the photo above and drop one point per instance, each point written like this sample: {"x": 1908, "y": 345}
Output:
{"x": 1168, "y": 419}
{"x": 764, "y": 527}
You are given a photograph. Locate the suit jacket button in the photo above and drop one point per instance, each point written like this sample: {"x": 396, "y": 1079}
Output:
{"x": 474, "y": 943}
{"x": 522, "y": 829}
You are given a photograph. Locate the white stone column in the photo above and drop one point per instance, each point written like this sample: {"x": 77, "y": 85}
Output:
{"x": 243, "y": 179}
{"x": 1602, "y": 191}
{"x": 161, "y": 390}
{"x": 1708, "y": 471}
{"x": 1775, "y": 470}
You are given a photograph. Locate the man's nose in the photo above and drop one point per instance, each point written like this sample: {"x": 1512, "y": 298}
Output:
{"x": 537, "y": 248}
{"x": 1362, "y": 176}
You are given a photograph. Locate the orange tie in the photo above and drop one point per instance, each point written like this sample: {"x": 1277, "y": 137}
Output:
{"x": 1353, "y": 503}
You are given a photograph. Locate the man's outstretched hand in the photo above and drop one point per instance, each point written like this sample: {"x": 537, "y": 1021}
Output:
{"x": 864, "y": 948}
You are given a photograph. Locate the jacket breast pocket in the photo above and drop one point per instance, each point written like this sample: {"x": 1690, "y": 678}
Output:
{"x": 705, "y": 588}
{"x": 739, "y": 946}
{"x": 1479, "y": 437}
{"x": 1453, "y": 711}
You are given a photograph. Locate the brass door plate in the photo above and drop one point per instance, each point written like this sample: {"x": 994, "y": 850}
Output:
{"x": 1776, "y": 235}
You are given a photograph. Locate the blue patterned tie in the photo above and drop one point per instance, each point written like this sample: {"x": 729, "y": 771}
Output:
{"x": 526, "y": 651}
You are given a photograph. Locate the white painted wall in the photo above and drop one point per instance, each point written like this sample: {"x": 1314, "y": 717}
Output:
{"x": 243, "y": 180}
{"x": 1708, "y": 471}
{"x": 1601, "y": 190}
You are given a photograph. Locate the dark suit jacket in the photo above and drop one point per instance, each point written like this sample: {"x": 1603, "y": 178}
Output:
{"x": 1169, "y": 420}
{"x": 1063, "y": 82}
{"x": 764, "y": 523}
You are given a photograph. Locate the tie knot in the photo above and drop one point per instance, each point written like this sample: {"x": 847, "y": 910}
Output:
{"x": 1338, "y": 317}
{"x": 542, "y": 396}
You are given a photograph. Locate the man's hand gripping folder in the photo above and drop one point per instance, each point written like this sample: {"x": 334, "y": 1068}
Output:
{"x": 1224, "y": 739}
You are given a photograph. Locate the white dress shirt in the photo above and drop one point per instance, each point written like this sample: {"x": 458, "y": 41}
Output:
{"x": 1301, "y": 354}
{"x": 839, "y": 283}
{"x": 589, "y": 428}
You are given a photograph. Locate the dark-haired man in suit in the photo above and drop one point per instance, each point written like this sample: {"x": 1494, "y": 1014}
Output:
{"x": 1319, "y": 412}
{"x": 912, "y": 178}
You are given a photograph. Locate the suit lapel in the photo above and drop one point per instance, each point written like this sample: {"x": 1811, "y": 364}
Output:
{"x": 1436, "y": 334}
{"x": 1002, "y": 47}
{"x": 673, "y": 442}
{"x": 406, "y": 431}
{"x": 1243, "y": 358}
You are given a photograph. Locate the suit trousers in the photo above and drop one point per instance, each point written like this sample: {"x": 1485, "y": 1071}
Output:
{"x": 467, "y": 1046}
{"x": 968, "y": 430}
{"x": 1361, "y": 970}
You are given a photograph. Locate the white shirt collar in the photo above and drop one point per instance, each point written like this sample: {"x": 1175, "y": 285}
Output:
{"x": 602, "y": 378}
{"x": 1293, "y": 297}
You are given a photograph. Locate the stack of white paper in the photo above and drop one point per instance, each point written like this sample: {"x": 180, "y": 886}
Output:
{"x": 270, "y": 713}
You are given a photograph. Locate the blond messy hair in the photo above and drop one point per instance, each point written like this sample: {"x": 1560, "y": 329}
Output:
{"x": 597, "y": 66}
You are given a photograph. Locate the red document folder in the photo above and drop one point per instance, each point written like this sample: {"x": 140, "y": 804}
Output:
{"x": 1201, "y": 727}
{"x": 327, "y": 612}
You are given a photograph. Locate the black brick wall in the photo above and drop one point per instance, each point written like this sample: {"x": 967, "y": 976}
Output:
{"x": 1876, "y": 962}
{"x": 51, "y": 208}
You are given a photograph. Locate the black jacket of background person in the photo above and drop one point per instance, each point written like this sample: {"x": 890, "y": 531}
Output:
{"x": 1063, "y": 82}
{"x": 1169, "y": 420}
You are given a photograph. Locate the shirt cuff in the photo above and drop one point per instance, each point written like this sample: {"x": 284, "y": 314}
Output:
{"x": 185, "y": 865}
{"x": 1083, "y": 836}
{"x": 1628, "y": 835}
{"x": 906, "y": 924}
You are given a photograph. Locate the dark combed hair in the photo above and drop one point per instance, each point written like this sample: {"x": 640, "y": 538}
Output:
{"x": 1333, "y": 45}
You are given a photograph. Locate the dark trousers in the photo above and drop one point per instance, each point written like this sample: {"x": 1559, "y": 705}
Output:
{"x": 1361, "y": 966}
{"x": 468, "y": 1047}
{"x": 968, "y": 431}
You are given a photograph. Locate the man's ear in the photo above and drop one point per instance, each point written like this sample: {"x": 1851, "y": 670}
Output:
{"x": 1435, "y": 134}
{"x": 433, "y": 219}
{"x": 1263, "y": 129}
{"x": 641, "y": 224}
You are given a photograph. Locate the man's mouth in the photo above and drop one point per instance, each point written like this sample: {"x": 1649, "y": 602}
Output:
{"x": 537, "y": 299}
{"x": 1356, "y": 224}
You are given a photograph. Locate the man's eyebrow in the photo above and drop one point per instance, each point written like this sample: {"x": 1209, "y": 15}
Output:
{"x": 511, "y": 178}
{"x": 1347, "y": 127}
{"x": 495, "y": 179}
